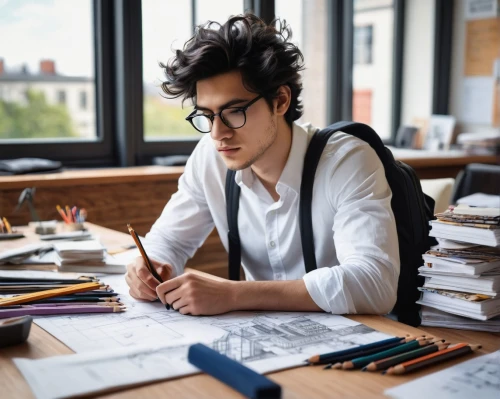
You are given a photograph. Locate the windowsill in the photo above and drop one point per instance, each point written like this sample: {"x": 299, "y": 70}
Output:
{"x": 417, "y": 159}
{"x": 93, "y": 176}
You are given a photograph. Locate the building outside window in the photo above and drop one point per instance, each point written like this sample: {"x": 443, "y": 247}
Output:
{"x": 83, "y": 100}
{"x": 61, "y": 97}
{"x": 164, "y": 119}
{"x": 363, "y": 44}
{"x": 40, "y": 80}
{"x": 373, "y": 55}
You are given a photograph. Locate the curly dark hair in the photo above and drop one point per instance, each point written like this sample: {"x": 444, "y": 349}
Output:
{"x": 262, "y": 53}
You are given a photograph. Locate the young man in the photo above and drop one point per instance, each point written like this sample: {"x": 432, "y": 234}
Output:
{"x": 243, "y": 78}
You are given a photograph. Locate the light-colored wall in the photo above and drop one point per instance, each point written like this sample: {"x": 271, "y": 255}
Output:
{"x": 418, "y": 60}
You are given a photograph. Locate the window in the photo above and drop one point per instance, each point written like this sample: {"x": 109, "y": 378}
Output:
{"x": 373, "y": 55}
{"x": 61, "y": 97}
{"x": 83, "y": 100}
{"x": 308, "y": 21}
{"x": 363, "y": 44}
{"x": 38, "y": 73}
{"x": 164, "y": 119}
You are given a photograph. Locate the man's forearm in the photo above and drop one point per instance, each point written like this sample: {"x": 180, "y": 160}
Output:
{"x": 272, "y": 295}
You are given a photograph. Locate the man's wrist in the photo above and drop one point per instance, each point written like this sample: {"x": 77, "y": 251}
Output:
{"x": 233, "y": 294}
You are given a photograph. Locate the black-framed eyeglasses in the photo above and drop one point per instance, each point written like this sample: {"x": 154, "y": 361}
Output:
{"x": 232, "y": 117}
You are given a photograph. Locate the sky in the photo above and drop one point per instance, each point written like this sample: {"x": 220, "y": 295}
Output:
{"x": 62, "y": 30}
{"x": 31, "y": 30}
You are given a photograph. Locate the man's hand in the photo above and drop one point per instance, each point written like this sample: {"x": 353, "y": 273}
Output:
{"x": 140, "y": 280}
{"x": 197, "y": 295}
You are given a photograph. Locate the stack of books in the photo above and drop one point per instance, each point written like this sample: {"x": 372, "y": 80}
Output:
{"x": 462, "y": 275}
{"x": 85, "y": 256}
{"x": 487, "y": 143}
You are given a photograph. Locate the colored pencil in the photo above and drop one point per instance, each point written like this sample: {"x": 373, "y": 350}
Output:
{"x": 330, "y": 361}
{"x": 63, "y": 215}
{"x": 49, "y": 293}
{"x": 395, "y": 360}
{"x": 145, "y": 257}
{"x": 434, "y": 358}
{"x": 365, "y": 360}
{"x": 7, "y": 225}
{"x": 318, "y": 358}
{"x": 51, "y": 310}
{"x": 79, "y": 299}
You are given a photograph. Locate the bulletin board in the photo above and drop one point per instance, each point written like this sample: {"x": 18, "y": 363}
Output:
{"x": 481, "y": 84}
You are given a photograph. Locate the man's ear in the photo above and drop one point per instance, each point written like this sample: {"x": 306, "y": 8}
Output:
{"x": 282, "y": 100}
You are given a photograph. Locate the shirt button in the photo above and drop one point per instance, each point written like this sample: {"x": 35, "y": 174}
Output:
{"x": 272, "y": 244}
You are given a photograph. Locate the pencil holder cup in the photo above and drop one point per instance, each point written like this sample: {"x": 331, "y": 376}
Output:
{"x": 74, "y": 226}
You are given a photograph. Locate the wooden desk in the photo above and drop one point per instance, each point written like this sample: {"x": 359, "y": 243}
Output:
{"x": 302, "y": 382}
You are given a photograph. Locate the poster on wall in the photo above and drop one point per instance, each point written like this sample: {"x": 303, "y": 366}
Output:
{"x": 480, "y": 9}
{"x": 481, "y": 83}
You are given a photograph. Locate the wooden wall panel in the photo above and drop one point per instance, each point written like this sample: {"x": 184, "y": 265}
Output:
{"x": 113, "y": 205}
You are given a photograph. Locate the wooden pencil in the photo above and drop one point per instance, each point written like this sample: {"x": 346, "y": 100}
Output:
{"x": 365, "y": 360}
{"x": 434, "y": 358}
{"x": 49, "y": 293}
{"x": 353, "y": 355}
{"x": 395, "y": 360}
{"x": 318, "y": 358}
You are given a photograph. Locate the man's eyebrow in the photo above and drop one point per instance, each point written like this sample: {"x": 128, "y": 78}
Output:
{"x": 228, "y": 104}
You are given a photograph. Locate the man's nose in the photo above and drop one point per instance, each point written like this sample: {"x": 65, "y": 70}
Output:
{"x": 219, "y": 130}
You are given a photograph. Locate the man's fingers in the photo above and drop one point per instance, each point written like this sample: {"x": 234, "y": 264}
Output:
{"x": 137, "y": 285}
{"x": 164, "y": 271}
{"x": 175, "y": 300}
{"x": 168, "y": 286}
{"x": 146, "y": 277}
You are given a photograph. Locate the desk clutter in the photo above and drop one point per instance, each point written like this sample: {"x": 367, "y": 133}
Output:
{"x": 6, "y": 230}
{"x": 462, "y": 275}
{"x": 397, "y": 355}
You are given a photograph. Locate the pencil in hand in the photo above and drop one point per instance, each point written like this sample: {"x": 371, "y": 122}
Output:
{"x": 148, "y": 263}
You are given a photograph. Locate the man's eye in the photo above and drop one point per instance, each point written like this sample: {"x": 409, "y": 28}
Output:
{"x": 235, "y": 110}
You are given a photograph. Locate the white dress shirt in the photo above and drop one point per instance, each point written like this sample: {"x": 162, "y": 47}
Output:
{"x": 355, "y": 235}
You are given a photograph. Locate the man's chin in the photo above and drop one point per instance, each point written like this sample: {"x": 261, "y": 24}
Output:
{"x": 235, "y": 164}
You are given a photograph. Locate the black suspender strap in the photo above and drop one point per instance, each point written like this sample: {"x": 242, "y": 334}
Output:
{"x": 311, "y": 161}
{"x": 233, "y": 236}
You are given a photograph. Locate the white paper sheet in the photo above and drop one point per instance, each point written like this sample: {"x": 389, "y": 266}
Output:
{"x": 265, "y": 341}
{"x": 477, "y": 378}
{"x": 477, "y": 100}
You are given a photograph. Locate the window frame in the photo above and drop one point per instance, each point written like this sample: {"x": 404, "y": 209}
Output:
{"x": 119, "y": 88}
{"x": 82, "y": 152}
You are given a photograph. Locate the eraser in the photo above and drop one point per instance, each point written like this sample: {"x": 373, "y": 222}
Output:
{"x": 239, "y": 377}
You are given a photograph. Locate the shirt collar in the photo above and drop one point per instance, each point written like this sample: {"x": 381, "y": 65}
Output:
{"x": 291, "y": 176}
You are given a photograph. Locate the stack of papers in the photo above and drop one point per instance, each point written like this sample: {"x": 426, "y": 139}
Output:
{"x": 436, "y": 318}
{"x": 86, "y": 256}
{"x": 463, "y": 279}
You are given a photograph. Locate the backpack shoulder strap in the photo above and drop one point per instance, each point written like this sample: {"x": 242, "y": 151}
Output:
{"x": 311, "y": 161}
{"x": 233, "y": 235}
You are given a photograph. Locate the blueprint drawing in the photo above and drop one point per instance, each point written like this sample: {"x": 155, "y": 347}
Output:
{"x": 475, "y": 378}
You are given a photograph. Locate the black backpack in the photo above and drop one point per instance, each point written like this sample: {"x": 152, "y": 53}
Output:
{"x": 411, "y": 207}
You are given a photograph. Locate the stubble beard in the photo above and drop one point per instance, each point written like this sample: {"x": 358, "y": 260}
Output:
{"x": 264, "y": 145}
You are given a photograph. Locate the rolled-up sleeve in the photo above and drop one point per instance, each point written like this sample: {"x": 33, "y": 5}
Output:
{"x": 185, "y": 222}
{"x": 365, "y": 238}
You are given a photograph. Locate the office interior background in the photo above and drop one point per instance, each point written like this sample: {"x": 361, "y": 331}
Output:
{"x": 80, "y": 85}
{"x": 79, "y": 80}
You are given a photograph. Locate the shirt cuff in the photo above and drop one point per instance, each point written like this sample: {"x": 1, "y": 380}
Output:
{"x": 324, "y": 285}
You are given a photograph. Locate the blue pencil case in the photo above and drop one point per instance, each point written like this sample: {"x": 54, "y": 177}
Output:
{"x": 244, "y": 380}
